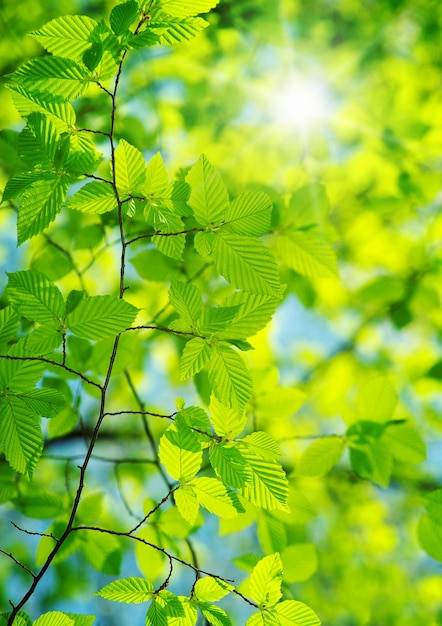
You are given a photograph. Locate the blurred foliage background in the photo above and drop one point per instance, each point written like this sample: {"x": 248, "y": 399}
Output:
{"x": 345, "y": 93}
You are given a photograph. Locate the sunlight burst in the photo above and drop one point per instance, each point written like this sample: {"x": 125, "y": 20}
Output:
{"x": 300, "y": 103}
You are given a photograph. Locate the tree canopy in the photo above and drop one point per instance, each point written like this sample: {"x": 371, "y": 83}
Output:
{"x": 220, "y": 315}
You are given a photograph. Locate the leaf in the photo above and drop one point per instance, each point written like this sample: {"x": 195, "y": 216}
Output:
{"x": 19, "y": 375}
{"x": 308, "y": 207}
{"x": 189, "y": 618}
{"x": 308, "y": 253}
{"x": 9, "y": 324}
{"x": 320, "y": 457}
{"x": 430, "y": 536}
{"x": 203, "y": 243}
{"x": 246, "y": 263}
{"x": 169, "y": 242}
{"x": 82, "y": 620}
{"x": 214, "y": 614}
{"x": 230, "y": 465}
{"x": 268, "y": 487}
{"x": 41, "y": 202}
{"x": 196, "y": 355}
{"x": 376, "y": 400}
{"x": 166, "y": 30}
{"x": 54, "y": 618}
{"x": 38, "y": 142}
{"x": 103, "y": 552}
{"x": 156, "y": 176}
{"x": 187, "y": 301}
{"x": 123, "y": 16}
{"x": 95, "y": 198}
{"x": 66, "y": 36}
{"x": 184, "y": 8}
{"x": 263, "y": 445}
{"x": 59, "y": 77}
{"x": 35, "y": 296}
{"x": 131, "y": 590}
{"x": 249, "y": 214}
{"x": 293, "y": 613}
{"x": 300, "y": 562}
{"x": 21, "y": 438}
{"x": 61, "y": 114}
{"x": 208, "y": 198}
{"x": 39, "y": 503}
{"x": 404, "y": 443}
{"x": 210, "y": 589}
{"x": 213, "y": 496}
{"x": 180, "y": 452}
{"x": 229, "y": 378}
{"x": 156, "y": 614}
{"x": 43, "y": 402}
{"x": 265, "y": 581}
{"x": 228, "y": 422}
{"x": 187, "y": 503}
{"x": 215, "y": 319}
{"x": 98, "y": 317}
{"x": 129, "y": 168}
{"x": 17, "y": 185}
{"x": 254, "y": 314}
{"x": 372, "y": 461}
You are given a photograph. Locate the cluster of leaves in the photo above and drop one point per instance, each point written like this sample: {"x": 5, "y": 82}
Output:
{"x": 61, "y": 354}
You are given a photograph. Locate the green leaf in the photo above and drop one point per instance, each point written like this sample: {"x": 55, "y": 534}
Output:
{"x": 228, "y": 422}
{"x": 82, "y": 620}
{"x": 263, "y": 445}
{"x": 62, "y": 78}
{"x": 187, "y": 301}
{"x": 166, "y": 30}
{"x": 184, "y": 8}
{"x": 376, "y": 400}
{"x": 404, "y": 443}
{"x": 103, "y": 552}
{"x": 9, "y": 324}
{"x": 189, "y": 618}
{"x": 21, "y": 438}
{"x": 196, "y": 355}
{"x": 21, "y": 619}
{"x": 203, "y": 243}
{"x": 308, "y": 253}
{"x": 308, "y": 207}
{"x": 208, "y": 198}
{"x": 95, "y": 197}
{"x": 98, "y": 317}
{"x": 43, "y": 402}
{"x": 156, "y": 614}
{"x": 54, "y": 618}
{"x": 230, "y": 465}
{"x": 372, "y": 460}
{"x": 123, "y": 16}
{"x": 265, "y": 581}
{"x": 229, "y": 378}
{"x": 209, "y": 589}
{"x": 17, "y": 185}
{"x": 214, "y": 496}
{"x": 61, "y": 114}
{"x": 187, "y": 503}
{"x": 131, "y": 590}
{"x": 214, "y": 614}
{"x": 41, "y": 202}
{"x": 300, "y": 562}
{"x": 19, "y": 375}
{"x": 293, "y": 613}
{"x": 246, "y": 263}
{"x": 249, "y": 214}
{"x": 180, "y": 452}
{"x": 254, "y": 313}
{"x": 38, "y": 141}
{"x": 320, "y": 457}
{"x": 39, "y": 503}
{"x": 35, "y": 296}
{"x": 430, "y": 536}
{"x": 168, "y": 224}
{"x": 156, "y": 176}
{"x": 129, "y": 168}
{"x": 66, "y": 36}
{"x": 215, "y": 319}
{"x": 154, "y": 265}
{"x": 268, "y": 487}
